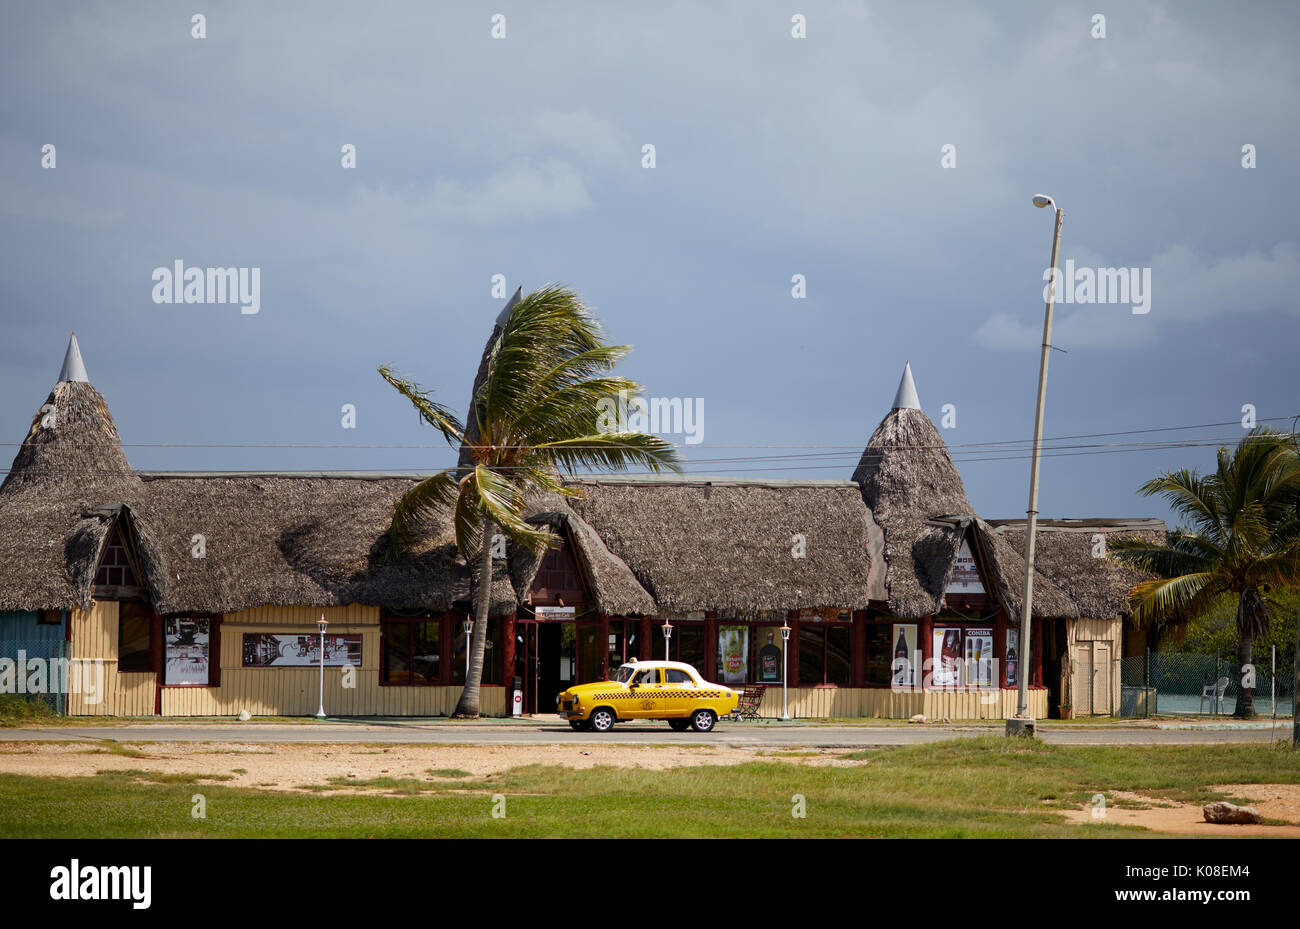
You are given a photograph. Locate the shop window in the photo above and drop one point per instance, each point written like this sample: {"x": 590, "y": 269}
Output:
{"x": 824, "y": 654}
{"x": 412, "y": 652}
{"x": 491, "y": 652}
{"x": 134, "y": 636}
{"x": 189, "y": 650}
{"x": 879, "y": 653}
{"x": 624, "y": 641}
{"x": 687, "y": 644}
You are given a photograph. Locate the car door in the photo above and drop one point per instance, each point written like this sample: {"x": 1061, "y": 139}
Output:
{"x": 647, "y": 697}
{"x": 679, "y": 691}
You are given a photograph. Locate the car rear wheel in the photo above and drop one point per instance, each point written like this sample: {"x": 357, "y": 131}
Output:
{"x": 679, "y": 725}
{"x": 602, "y": 719}
{"x": 703, "y": 720}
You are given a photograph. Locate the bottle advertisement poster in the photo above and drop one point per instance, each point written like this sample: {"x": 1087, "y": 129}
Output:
{"x": 947, "y": 658}
{"x": 979, "y": 657}
{"x": 769, "y": 655}
{"x": 902, "y": 667}
{"x": 733, "y": 647}
{"x": 1011, "y": 665}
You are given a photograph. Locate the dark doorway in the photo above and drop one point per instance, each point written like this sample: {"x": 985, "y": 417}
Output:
{"x": 550, "y": 659}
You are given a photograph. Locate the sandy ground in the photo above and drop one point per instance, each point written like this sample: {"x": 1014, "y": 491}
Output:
{"x": 1272, "y": 801}
{"x": 286, "y": 767}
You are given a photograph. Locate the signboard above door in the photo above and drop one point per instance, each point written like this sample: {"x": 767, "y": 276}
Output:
{"x": 555, "y": 612}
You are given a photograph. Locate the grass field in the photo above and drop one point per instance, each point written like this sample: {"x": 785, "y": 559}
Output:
{"x": 984, "y": 786}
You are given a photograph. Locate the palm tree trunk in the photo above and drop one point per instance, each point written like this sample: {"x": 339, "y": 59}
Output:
{"x": 468, "y": 705}
{"x": 1245, "y": 645}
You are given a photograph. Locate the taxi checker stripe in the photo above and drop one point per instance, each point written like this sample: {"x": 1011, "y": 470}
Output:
{"x": 627, "y": 695}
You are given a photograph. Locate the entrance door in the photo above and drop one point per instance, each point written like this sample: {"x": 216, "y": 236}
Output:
{"x": 1092, "y": 679}
{"x": 551, "y": 659}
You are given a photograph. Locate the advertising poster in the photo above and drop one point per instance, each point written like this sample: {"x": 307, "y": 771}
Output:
{"x": 902, "y": 669}
{"x": 979, "y": 657}
{"x": 279, "y": 650}
{"x": 187, "y": 639}
{"x": 947, "y": 658}
{"x": 965, "y": 575}
{"x": 733, "y": 647}
{"x": 1012, "y": 664}
{"x": 769, "y": 654}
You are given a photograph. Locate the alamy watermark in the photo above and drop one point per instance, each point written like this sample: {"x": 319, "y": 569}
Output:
{"x": 1100, "y": 285}
{"x": 657, "y": 415}
{"x": 23, "y": 675}
{"x": 179, "y": 284}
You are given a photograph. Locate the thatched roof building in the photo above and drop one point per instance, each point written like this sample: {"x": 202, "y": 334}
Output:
{"x": 915, "y": 494}
{"x": 1070, "y": 551}
{"x": 644, "y": 545}
{"x": 738, "y": 547}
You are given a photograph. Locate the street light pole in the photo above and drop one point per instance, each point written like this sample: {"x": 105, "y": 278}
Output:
{"x": 785, "y": 689}
{"x": 320, "y": 712}
{"x": 1023, "y": 723}
{"x": 668, "y": 634}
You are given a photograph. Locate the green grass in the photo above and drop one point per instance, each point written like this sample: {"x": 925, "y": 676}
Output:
{"x": 979, "y": 787}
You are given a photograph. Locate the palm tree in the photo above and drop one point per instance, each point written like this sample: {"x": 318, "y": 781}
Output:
{"x": 1240, "y": 538}
{"x": 540, "y": 407}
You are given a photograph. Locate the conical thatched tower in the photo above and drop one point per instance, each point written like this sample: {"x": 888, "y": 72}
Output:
{"x": 908, "y": 478}
{"x": 909, "y": 481}
{"x": 72, "y": 444}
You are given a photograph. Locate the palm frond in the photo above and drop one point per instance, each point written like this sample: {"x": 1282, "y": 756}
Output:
{"x": 422, "y": 501}
{"x": 1165, "y": 599}
{"x": 615, "y": 451}
{"x": 432, "y": 412}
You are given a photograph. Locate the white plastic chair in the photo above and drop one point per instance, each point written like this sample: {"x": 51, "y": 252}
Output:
{"x": 1214, "y": 693}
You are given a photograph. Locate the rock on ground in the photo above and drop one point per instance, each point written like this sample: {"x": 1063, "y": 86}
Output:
{"x": 1230, "y": 813}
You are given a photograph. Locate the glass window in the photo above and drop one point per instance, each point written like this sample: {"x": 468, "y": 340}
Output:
{"x": 676, "y": 676}
{"x": 491, "y": 652}
{"x": 412, "y": 651}
{"x": 134, "y": 622}
{"x": 879, "y": 653}
{"x": 687, "y": 642}
{"x": 824, "y": 654}
{"x": 648, "y": 676}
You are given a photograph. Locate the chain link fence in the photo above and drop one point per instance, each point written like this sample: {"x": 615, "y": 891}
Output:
{"x": 33, "y": 669}
{"x": 1177, "y": 684}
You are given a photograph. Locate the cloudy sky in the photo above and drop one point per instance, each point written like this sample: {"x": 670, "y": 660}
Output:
{"x": 775, "y": 156}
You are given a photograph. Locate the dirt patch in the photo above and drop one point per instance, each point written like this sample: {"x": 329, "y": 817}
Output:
{"x": 1274, "y": 801}
{"x": 288, "y": 767}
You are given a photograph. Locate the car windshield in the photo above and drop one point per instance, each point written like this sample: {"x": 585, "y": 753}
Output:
{"x": 624, "y": 673}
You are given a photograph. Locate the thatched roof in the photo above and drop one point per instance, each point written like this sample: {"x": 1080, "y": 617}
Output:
{"x": 726, "y": 545}
{"x": 1063, "y": 549}
{"x": 907, "y": 478}
{"x": 912, "y": 487}
{"x": 609, "y": 580}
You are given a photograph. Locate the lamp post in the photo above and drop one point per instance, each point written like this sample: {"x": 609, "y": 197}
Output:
{"x": 785, "y": 690}
{"x": 469, "y": 628}
{"x": 668, "y": 635}
{"x": 1022, "y": 723}
{"x": 320, "y": 712}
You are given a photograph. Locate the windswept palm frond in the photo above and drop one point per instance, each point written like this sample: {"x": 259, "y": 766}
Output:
{"x": 420, "y": 502}
{"x": 433, "y": 413}
{"x": 1162, "y": 599}
{"x": 615, "y": 451}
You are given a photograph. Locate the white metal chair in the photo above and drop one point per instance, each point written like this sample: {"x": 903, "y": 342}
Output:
{"x": 1214, "y": 693}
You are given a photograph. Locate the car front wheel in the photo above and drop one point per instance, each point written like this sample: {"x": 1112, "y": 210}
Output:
{"x": 679, "y": 725}
{"x": 703, "y": 720}
{"x": 602, "y": 719}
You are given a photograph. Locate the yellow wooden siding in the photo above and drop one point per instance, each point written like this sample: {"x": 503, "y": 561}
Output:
{"x": 1100, "y": 630}
{"x": 94, "y": 639}
{"x": 849, "y": 702}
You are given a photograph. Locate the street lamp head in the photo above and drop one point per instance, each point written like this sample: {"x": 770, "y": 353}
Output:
{"x": 322, "y": 624}
{"x": 1042, "y": 200}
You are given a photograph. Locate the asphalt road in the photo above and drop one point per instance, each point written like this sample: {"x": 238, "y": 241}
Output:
{"x": 740, "y": 735}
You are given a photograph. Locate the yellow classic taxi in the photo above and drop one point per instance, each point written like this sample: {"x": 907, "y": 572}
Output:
{"x": 668, "y": 690}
